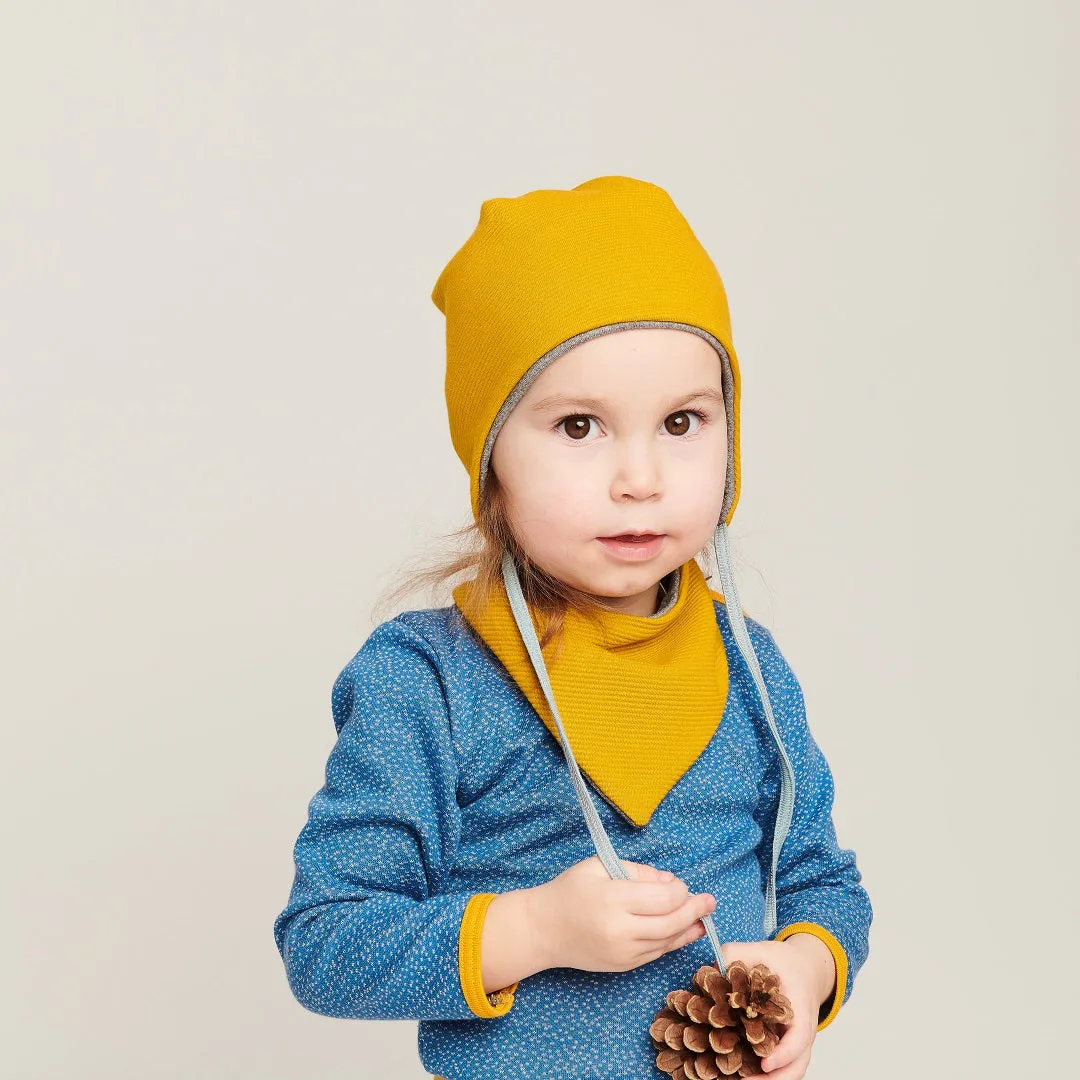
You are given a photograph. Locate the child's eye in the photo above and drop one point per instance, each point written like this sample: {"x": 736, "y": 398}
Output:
{"x": 579, "y": 427}
{"x": 680, "y": 428}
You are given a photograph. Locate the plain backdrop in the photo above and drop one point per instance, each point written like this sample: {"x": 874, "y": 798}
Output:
{"x": 223, "y": 435}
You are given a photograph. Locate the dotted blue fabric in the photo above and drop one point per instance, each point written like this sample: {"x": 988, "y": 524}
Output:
{"x": 444, "y": 783}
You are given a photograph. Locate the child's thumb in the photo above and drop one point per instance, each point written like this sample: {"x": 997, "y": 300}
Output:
{"x": 644, "y": 872}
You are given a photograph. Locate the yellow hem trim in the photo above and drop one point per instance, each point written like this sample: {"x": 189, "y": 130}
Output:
{"x": 839, "y": 959}
{"x": 470, "y": 973}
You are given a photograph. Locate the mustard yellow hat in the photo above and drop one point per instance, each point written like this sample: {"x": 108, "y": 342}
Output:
{"x": 547, "y": 270}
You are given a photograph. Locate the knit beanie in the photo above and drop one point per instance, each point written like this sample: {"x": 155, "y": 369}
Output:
{"x": 549, "y": 269}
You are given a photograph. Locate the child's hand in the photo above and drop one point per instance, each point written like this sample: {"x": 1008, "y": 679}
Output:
{"x": 586, "y": 919}
{"x": 807, "y": 976}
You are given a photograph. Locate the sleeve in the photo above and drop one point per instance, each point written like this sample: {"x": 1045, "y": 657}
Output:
{"x": 818, "y": 884}
{"x": 367, "y": 931}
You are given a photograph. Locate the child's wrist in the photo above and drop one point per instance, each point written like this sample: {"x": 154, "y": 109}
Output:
{"x": 821, "y": 962}
{"x": 508, "y": 946}
{"x": 540, "y": 929}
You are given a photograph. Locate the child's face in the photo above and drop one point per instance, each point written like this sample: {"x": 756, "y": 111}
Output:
{"x": 635, "y": 460}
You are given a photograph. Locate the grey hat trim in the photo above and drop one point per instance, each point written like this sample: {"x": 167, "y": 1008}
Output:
{"x": 526, "y": 380}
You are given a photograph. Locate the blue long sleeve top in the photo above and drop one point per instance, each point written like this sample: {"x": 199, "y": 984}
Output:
{"x": 444, "y": 789}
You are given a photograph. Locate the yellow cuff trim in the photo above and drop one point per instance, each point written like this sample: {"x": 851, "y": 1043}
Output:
{"x": 498, "y": 1002}
{"x": 832, "y": 1005}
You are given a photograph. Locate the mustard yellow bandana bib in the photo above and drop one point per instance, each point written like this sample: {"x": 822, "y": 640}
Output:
{"x": 640, "y": 696}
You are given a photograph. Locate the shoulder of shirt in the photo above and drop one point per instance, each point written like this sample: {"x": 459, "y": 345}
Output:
{"x": 418, "y": 648}
{"x": 431, "y": 636}
{"x": 439, "y": 627}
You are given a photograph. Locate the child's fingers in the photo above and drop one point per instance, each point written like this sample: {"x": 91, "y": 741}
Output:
{"x": 794, "y": 1070}
{"x": 696, "y": 931}
{"x": 793, "y": 1044}
{"x": 675, "y": 923}
{"x": 662, "y": 946}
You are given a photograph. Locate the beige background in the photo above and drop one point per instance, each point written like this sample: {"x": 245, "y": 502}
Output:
{"x": 223, "y": 432}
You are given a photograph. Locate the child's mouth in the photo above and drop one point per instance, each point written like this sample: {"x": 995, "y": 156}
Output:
{"x": 634, "y": 548}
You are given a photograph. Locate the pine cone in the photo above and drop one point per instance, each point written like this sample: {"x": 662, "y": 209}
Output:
{"x": 722, "y": 1027}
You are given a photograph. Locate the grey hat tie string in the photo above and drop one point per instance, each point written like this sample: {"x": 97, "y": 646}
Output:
{"x": 600, "y": 839}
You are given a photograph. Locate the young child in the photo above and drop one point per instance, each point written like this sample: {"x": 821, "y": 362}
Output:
{"x": 456, "y": 866}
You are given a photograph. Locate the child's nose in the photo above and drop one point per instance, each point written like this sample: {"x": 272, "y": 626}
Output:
{"x": 637, "y": 471}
